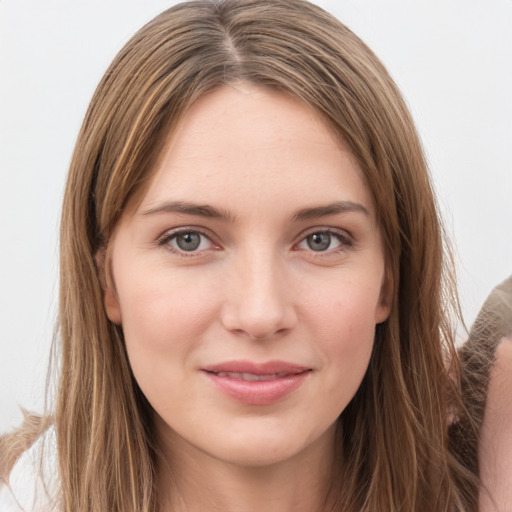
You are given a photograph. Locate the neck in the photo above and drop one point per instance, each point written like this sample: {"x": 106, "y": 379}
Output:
{"x": 198, "y": 481}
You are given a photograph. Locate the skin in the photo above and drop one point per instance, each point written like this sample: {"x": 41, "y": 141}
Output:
{"x": 253, "y": 290}
{"x": 495, "y": 448}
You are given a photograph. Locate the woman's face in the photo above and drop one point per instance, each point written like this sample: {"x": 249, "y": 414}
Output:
{"x": 248, "y": 282}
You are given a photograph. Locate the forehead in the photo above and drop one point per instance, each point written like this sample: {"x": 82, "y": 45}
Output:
{"x": 242, "y": 142}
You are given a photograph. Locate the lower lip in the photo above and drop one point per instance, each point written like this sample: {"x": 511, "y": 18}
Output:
{"x": 263, "y": 392}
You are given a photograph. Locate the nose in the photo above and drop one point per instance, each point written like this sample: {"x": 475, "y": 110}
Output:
{"x": 259, "y": 301}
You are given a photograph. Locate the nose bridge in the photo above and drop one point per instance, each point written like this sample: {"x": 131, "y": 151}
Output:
{"x": 258, "y": 302}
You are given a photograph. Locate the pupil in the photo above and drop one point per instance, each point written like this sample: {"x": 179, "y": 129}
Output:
{"x": 188, "y": 241}
{"x": 319, "y": 241}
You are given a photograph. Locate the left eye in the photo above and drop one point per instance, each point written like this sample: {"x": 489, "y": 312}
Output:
{"x": 188, "y": 241}
{"x": 321, "y": 241}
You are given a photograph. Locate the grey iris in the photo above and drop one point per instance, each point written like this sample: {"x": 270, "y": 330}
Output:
{"x": 188, "y": 241}
{"x": 319, "y": 241}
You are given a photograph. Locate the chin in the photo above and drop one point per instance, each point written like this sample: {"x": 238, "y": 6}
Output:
{"x": 269, "y": 447}
{"x": 258, "y": 456}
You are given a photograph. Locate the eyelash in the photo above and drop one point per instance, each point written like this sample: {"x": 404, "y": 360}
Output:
{"x": 167, "y": 237}
{"x": 343, "y": 238}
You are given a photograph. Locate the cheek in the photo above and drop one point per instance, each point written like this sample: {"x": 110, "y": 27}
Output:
{"x": 164, "y": 314}
{"x": 163, "y": 323}
{"x": 345, "y": 306}
{"x": 343, "y": 319}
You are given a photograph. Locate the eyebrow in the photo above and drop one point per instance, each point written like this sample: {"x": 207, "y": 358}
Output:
{"x": 207, "y": 211}
{"x": 200, "y": 210}
{"x": 330, "y": 209}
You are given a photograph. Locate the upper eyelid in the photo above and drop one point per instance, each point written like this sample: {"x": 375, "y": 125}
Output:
{"x": 325, "y": 229}
{"x": 344, "y": 237}
{"x": 170, "y": 233}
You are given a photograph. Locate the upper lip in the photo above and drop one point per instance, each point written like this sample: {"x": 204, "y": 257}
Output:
{"x": 266, "y": 368}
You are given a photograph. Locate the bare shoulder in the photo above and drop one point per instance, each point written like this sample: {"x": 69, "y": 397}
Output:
{"x": 495, "y": 447}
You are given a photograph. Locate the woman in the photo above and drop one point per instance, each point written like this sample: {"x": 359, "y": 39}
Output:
{"x": 254, "y": 300}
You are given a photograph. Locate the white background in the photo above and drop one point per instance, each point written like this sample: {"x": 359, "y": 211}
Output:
{"x": 451, "y": 58}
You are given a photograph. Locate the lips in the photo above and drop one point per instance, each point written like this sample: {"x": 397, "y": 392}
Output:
{"x": 251, "y": 377}
{"x": 257, "y": 383}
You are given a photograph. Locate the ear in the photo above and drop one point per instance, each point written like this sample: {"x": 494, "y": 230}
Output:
{"x": 386, "y": 298}
{"x": 110, "y": 299}
{"x": 112, "y": 305}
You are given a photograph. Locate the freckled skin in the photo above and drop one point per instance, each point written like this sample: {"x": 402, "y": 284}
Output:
{"x": 254, "y": 289}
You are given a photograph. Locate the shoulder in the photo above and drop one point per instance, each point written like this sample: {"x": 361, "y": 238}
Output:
{"x": 495, "y": 447}
{"x": 33, "y": 480}
{"x": 486, "y": 384}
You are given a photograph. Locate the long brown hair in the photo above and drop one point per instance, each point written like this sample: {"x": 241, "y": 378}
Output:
{"x": 393, "y": 436}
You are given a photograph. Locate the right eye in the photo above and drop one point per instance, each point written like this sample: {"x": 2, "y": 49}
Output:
{"x": 186, "y": 241}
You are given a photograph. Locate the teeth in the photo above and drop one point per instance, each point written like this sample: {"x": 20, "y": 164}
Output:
{"x": 250, "y": 377}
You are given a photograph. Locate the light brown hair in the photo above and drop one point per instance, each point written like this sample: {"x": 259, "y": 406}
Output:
{"x": 394, "y": 447}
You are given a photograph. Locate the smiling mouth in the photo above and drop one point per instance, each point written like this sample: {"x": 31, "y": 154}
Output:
{"x": 257, "y": 384}
{"x": 273, "y": 369}
{"x": 253, "y": 377}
